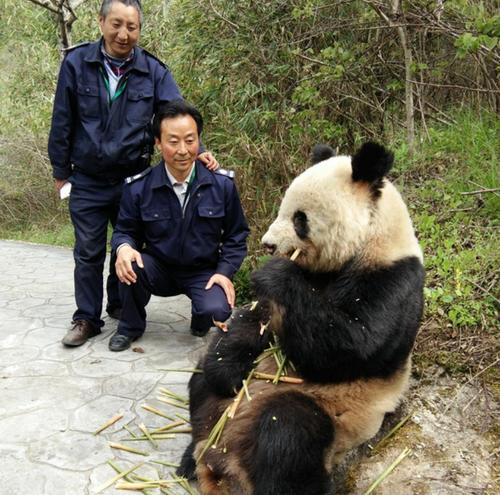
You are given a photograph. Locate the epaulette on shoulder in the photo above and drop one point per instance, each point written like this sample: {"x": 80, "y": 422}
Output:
{"x": 226, "y": 172}
{"x": 149, "y": 54}
{"x": 77, "y": 45}
{"x": 138, "y": 176}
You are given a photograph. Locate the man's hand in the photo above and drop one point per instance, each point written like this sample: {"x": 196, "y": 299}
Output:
{"x": 226, "y": 284}
{"x": 124, "y": 258}
{"x": 59, "y": 183}
{"x": 209, "y": 160}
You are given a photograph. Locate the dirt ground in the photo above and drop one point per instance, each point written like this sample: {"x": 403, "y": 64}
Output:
{"x": 453, "y": 441}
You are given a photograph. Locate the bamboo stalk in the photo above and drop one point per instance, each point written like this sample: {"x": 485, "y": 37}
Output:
{"x": 120, "y": 475}
{"x": 158, "y": 436}
{"x": 168, "y": 427}
{"x": 187, "y": 421}
{"x": 119, "y": 446}
{"x": 263, "y": 327}
{"x": 181, "y": 370}
{"x": 215, "y": 433}
{"x": 295, "y": 254}
{"x": 286, "y": 379}
{"x": 236, "y": 403}
{"x": 140, "y": 485}
{"x": 156, "y": 411}
{"x": 184, "y": 483}
{"x": 381, "y": 478}
{"x": 165, "y": 463}
{"x": 172, "y": 403}
{"x": 129, "y": 430}
{"x": 143, "y": 428}
{"x": 109, "y": 423}
{"x": 127, "y": 477}
{"x": 245, "y": 388}
{"x": 175, "y": 396}
{"x": 373, "y": 451}
{"x": 281, "y": 368}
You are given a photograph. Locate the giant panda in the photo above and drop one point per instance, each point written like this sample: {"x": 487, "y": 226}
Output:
{"x": 344, "y": 312}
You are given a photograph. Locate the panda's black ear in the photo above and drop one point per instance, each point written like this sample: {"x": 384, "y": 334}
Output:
{"x": 321, "y": 152}
{"x": 371, "y": 162}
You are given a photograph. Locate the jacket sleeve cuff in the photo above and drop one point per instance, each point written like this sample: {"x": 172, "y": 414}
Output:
{"x": 225, "y": 269}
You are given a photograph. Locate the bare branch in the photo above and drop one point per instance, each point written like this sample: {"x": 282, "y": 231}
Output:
{"x": 222, "y": 17}
{"x": 46, "y": 4}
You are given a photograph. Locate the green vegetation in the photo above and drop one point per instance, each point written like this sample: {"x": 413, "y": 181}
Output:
{"x": 273, "y": 78}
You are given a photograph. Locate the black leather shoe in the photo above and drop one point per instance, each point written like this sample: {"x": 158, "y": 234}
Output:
{"x": 120, "y": 342}
{"x": 79, "y": 333}
{"x": 199, "y": 332}
{"x": 114, "y": 313}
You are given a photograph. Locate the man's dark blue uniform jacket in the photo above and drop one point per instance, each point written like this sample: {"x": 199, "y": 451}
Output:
{"x": 99, "y": 139}
{"x": 211, "y": 233}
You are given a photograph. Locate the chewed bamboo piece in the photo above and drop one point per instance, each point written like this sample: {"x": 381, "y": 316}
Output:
{"x": 127, "y": 477}
{"x": 119, "y": 446}
{"x": 295, "y": 254}
{"x": 263, "y": 327}
{"x": 143, "y": 428}
{"x": 381, "y": 478}
{"x": 236, "y": 403}
{"x": 172, "y": 395}
{"x": 156, "y": 411}
{"x": 120, "y": 475}
{"x": 285, "y": 379}
{"x": 109, "y": 423}
{"x": 215, "y": 433}
{"x": 373, "y": 451}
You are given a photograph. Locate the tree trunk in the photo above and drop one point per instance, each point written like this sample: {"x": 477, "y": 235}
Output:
{"x": 397, "y": 11}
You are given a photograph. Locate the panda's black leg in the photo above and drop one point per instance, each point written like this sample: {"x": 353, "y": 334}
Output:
{"x": 288, "y": 456}
{"x": 187, "y": 469}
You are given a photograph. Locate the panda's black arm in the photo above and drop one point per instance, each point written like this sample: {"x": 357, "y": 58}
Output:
{"x": 231, "y": 354}
{"x": 353, "y": 323}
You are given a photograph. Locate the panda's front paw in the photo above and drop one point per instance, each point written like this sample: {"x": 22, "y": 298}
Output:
{"x": 273, "y": 279}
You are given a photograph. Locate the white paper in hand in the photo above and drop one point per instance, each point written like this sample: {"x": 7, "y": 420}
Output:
{"x": 65, "y": 190}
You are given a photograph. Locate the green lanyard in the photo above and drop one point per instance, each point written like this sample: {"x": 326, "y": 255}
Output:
{"x": 188, "y": 189}
{"x": 118, "y": 91}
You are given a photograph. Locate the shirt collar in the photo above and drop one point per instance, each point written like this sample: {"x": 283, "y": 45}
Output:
{"x": 139, "y": 63}
{"x": 173, "y": 180}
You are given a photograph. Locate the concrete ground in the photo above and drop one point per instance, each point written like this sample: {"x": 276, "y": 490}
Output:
{"x": 53, "y": 398}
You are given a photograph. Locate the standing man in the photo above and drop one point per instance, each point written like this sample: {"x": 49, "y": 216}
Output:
{"x": 107, "y": 94}
{"x": 180, "y": 230}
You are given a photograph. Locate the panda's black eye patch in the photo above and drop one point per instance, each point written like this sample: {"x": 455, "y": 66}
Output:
{"x": 300, "y": 224}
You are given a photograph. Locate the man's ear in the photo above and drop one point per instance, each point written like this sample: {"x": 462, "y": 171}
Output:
{"x": 158, "y": 143}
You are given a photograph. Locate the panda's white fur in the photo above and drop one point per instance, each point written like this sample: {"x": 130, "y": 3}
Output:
{"x": 376, "y": 233}
{"x": 345, "y": 313}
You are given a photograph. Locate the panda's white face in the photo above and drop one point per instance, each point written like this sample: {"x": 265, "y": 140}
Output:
{"x": 333, "y": 219}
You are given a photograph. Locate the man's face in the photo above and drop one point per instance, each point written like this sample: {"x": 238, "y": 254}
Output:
{"x": 179, "y": 144}
{"x": 120, "y": 29}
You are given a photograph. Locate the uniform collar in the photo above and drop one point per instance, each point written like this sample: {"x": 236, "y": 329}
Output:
{"x": 139, "y": 63}
{"x": 160, "y": 177}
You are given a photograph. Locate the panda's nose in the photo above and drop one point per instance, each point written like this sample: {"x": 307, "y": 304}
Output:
{"x": 269, "y": 248}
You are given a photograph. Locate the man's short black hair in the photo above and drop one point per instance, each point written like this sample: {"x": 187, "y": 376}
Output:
{"x": 173, "y": 109}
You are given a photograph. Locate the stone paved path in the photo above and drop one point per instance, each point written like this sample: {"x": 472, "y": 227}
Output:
{"x": 53, "y": 398}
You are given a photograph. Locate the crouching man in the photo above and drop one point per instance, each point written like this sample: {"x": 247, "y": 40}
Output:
{"x": 180, "y": 230}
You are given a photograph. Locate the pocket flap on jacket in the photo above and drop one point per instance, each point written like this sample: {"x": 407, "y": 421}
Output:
{"x": 211, "y": 211}
{"x": 86, "y": 90}
{"x": 139, "y": 94}
{"x": 155, "y": 215}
